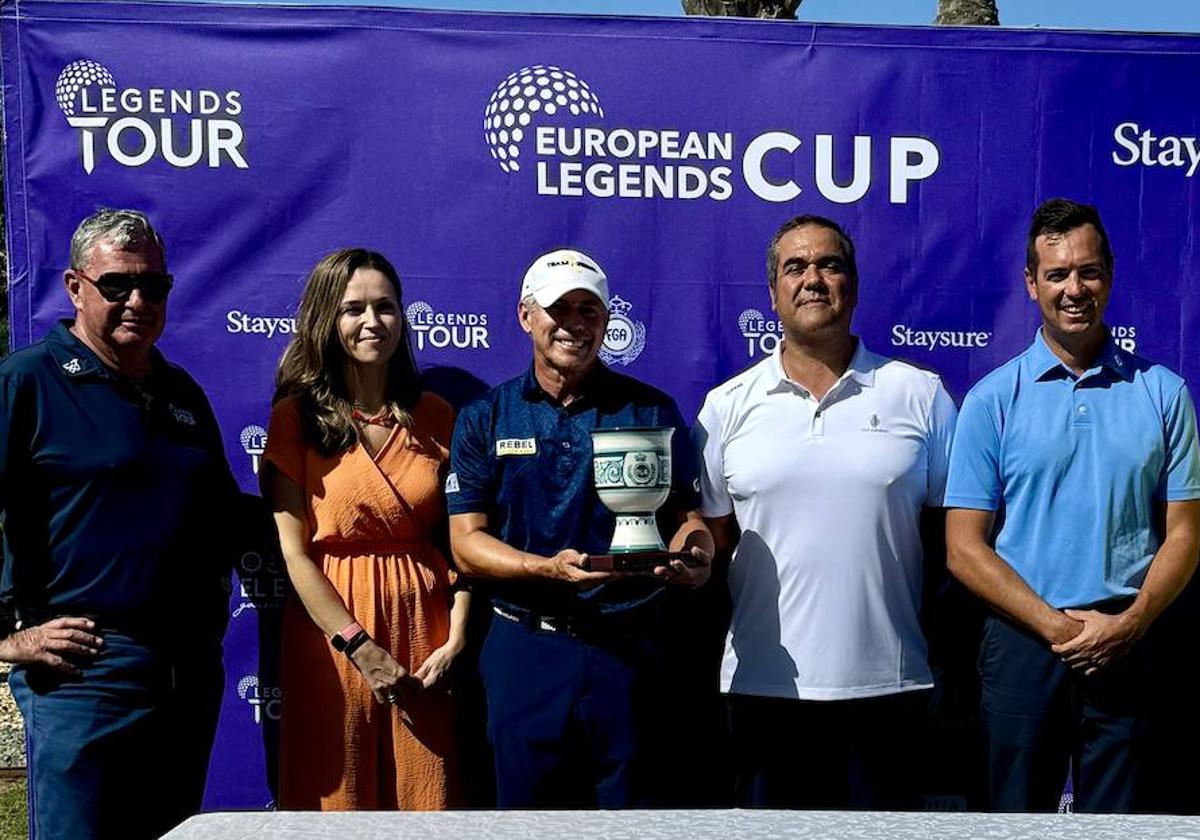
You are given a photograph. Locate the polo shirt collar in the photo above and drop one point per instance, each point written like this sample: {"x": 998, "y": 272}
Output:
{"x": 1043, "y": 363}
{"x": 861, "y": 369}
{"x": 532, "y": 390}
{"x": 77, "y": 361}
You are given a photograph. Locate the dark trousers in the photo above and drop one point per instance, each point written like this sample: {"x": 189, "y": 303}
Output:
{"x": 563, "y": 717}
{"x": 1040, "y": 715}
{"x": 123, "y": 751}
{"x": 836, "y": 754}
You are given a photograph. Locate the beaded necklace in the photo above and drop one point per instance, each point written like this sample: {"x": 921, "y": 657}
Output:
{"x": 384, "y": 418}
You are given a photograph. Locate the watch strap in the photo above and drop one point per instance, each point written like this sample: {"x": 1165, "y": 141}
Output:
{"x": 341, "y": 639}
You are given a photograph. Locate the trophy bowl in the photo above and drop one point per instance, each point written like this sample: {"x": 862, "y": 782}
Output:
{"x": 632, "y": 472}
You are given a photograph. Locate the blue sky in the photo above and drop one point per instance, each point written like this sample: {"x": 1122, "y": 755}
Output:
{"x": 1111, "y": 15}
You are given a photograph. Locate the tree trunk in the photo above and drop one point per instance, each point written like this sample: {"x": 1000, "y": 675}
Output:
{"x": 785, "y": 9}
{"x": 967, "y": 13}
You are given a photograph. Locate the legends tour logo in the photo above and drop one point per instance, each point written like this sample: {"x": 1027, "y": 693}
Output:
{"x": 264, "y": 701}
{"x": 440, "y": 330}
{"x": 134, "y": 125}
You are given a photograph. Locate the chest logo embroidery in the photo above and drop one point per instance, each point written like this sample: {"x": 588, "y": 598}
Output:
{"x": 874, "y": 424}
{"x": 73, "y": 366}
{"x": 516, "y": 446}
{"x": 182, "y": 415}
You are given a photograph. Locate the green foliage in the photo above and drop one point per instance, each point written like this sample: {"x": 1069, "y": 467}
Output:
{"x": 14, "y": 824}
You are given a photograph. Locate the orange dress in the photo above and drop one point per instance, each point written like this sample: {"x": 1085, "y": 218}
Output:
{"x": 370, "y": 520}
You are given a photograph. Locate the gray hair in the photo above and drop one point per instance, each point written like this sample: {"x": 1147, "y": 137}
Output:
{"x": 127, "y": 230}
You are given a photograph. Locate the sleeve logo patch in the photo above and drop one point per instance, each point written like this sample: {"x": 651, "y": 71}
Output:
{"x": 452, "y": 483}
{"x": 516, "y": 446}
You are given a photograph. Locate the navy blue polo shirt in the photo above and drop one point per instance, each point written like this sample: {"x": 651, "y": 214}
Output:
{"x": 526, "y": 461}
{"x": 115, "y": 497}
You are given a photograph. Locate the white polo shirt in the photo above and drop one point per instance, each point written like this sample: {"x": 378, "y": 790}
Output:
{"x": 826, "y": 578}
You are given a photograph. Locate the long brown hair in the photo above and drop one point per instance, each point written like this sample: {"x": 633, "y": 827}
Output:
{"x": 313, "y": 367}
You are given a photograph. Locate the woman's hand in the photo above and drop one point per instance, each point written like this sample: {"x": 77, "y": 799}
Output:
{"x": 388, "y": 681}
{"x": 434, "y": 669}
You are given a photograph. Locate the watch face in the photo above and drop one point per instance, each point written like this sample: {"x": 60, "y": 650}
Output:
{"x": 337, "y": 641}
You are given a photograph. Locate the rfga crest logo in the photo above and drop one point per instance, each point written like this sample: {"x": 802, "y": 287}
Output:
{"x": 626, "y": 338}
{"x": 184, "y": 127}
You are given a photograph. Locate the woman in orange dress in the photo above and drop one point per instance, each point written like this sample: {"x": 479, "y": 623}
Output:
{"x": 352, "y": 470}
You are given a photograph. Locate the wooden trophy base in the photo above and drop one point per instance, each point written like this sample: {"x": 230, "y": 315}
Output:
{"x": 638, "y": 562}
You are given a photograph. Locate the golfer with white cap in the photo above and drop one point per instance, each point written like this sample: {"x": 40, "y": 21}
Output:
{"x": 569, "y": 651}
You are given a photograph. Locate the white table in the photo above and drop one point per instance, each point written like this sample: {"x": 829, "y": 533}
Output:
{"x": 681, "y": 825}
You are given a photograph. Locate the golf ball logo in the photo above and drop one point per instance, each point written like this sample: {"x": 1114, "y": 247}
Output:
{"x": 761, "y": 333}
{"x": 526, "y": 98}
{"x": 76, "y": 76}
{"x": 254, "y": 444}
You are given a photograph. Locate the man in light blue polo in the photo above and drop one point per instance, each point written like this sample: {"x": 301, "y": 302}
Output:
{"x": 1087, "y": 455}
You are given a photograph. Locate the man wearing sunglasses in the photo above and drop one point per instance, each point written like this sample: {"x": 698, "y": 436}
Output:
{"x": 113, "y": 489}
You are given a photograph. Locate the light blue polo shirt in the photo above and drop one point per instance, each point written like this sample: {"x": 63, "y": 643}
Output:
{"x": 1077, "y": 467}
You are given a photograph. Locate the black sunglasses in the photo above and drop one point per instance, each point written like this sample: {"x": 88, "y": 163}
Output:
{"x": 117, "y": 286}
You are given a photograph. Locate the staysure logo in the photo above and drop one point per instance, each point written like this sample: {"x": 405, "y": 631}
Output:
{"x": 1140, "y": 146}
{"x": 761, "y": 333}
{"x": 625, "y": 338}
{"x": 238, "y": 322}
{"x": 134, "y": 125}
{"x": 441, "y": 330}
{"x": 906, "y": 336}
{"x": 547, "y": 119}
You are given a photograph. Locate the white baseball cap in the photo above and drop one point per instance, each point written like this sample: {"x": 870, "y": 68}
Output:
{"x": 553, "y": 275}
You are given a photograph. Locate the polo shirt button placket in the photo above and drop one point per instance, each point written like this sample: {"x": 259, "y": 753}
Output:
{"x": 564, "y": 462}
{"x": 1081, "y": 416}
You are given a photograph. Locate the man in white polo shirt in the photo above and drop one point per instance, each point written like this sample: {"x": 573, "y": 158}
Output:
{"x": 817, "y": 464}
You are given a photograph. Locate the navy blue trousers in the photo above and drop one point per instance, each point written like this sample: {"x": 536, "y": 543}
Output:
{"x": 565, "y": 717}
{"x": 835, "y": 754}
{"x": 1041, "y": 717}
{"x": 123, "y": 751}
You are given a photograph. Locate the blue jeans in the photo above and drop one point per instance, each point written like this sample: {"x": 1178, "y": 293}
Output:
{"x": 1040, "y": 715}
{"x": 122, "y": 751}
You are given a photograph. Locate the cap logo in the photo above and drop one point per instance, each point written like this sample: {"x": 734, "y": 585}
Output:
{"x": 576, "y": 263}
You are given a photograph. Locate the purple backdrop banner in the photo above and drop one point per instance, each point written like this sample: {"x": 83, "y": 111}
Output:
{"x": 462, "y": 145}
